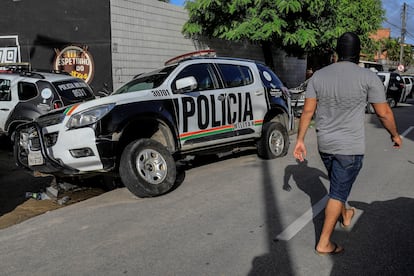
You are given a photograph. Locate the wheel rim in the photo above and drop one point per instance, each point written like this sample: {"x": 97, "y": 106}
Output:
{"x": 391, "y": 102}
{"x": 276, "y": 143}
{"x": 152, "y": 166}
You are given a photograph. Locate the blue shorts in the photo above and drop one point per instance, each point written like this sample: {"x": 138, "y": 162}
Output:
{"x": 342, "y": 172}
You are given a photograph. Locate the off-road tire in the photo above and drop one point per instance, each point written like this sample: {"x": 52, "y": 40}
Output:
{"x": 147, "y": 168}
{"x": 274, "y": 142}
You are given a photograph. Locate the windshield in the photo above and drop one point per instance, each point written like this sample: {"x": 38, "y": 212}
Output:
{"x": 146, "y": 81}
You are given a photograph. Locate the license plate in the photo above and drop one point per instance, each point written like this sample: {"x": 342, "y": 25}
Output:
{"x": 35, "y": 158}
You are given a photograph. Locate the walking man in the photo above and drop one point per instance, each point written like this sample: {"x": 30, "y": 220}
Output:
{"x": 337, "y": 95}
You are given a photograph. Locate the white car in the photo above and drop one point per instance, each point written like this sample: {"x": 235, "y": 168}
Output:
{"x": 193, "y": 107}
{"x": 27, "y": 94}
{"x": 395, "y": 87}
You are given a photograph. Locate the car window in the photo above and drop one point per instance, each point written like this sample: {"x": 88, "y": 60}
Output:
{"x": 26, "y": 91}
{"x": 202, "y": 72}
{"x": 5, "y": 91}
{"x": 235, "y": 75}
{"x": 382, "y": 77}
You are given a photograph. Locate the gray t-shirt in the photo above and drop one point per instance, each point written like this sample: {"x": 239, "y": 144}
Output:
{"x": 342, "y": 90}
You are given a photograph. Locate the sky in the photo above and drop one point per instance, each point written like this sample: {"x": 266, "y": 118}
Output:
{"x": 393, "y": 16}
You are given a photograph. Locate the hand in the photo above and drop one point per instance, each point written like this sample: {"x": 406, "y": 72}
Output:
{"x": 287, "y": 187}
{"x": 397, "y": 141}
{"x": 300, "y": 151}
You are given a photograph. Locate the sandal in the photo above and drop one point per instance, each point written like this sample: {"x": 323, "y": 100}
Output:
{"x": 337, "y": 250}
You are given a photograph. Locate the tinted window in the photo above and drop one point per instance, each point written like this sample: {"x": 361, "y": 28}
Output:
{"x": 73, "y": 90}
{"x": 5, "y": 92}
{"x": 26, "y": 91}
{"x": 202, "y": 72}
{"x": 235, "y": 75}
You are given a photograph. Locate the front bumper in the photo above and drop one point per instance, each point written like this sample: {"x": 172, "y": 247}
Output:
{"x": 30, "y": 152}
{"x": 59, "y": 151}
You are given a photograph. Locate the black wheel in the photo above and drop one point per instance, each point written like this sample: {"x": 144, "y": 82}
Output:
{"x": 274, "y": 141}
{"x": 147, "y": 168}
{"x": 392, "y": 102}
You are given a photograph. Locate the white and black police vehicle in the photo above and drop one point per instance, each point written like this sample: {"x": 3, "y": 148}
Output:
{"x": 26, "y": 94}
{"x": 194, "y": 106}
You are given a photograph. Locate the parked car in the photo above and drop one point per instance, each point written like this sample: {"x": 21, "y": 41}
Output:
{"x": 192, "y": 107}
{"x": 395, "y": 87}
{"x": 409, "y": 85}
{"x": 26, "y": 94}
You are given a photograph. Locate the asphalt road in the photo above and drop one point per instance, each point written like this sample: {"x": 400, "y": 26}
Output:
{"x": 238, "y": 216}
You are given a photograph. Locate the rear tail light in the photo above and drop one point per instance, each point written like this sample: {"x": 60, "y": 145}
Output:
{"x": 57, "y": 105}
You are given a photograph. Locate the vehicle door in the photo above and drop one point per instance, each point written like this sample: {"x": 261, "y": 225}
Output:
{"x": 245, "y": 98}
{"x": 8, "y": 100}
{"x": 201, "y": 108}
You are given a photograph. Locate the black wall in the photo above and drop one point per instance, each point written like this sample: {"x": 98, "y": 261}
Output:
{"x": 42, "y": 26}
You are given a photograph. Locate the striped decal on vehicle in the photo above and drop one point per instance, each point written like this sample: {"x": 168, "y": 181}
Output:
{"x": 212, "y": 131}
{"x": 70, "y": 110}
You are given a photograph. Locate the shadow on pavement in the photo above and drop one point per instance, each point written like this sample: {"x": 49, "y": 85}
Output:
{"x": 277, "y": 260}
{"x": 308, "y": 180}
{"x": 382, "y": 240}
{"x": 14, "y": 181}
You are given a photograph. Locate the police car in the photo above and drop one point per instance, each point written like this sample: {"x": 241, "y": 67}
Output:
{"x": 25, "y": 94}
{"x": 191, "y": 107}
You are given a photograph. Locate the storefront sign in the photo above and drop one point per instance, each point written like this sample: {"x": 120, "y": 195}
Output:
{"x": 76, "y": 61}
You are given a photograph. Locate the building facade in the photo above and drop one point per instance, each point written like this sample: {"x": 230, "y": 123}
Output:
{"x": 107, "y": 42}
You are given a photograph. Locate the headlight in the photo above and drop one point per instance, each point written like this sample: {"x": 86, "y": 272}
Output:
{"x": 89, "y": 116}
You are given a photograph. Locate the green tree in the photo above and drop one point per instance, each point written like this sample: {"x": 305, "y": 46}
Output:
{"x": 393, "y": 48}
{"x": 296, "y": 26}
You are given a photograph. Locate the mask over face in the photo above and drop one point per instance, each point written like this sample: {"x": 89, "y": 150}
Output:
{"x": 348, "y": 47}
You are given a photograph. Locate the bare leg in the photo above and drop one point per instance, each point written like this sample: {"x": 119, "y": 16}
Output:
{"x": 347, "y": 215}
{"x": 333, "y": 210}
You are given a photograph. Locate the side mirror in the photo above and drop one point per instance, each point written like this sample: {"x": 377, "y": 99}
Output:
{"x": 186, "y": 84}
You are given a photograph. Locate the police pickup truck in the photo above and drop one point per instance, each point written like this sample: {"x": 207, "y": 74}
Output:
{"x": 139, "y": 132}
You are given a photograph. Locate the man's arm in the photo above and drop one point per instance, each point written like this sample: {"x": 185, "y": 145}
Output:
{"x": 307, "y": 113}
{"x": 386, "y": 116}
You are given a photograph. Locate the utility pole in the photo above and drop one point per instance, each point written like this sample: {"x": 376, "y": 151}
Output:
{"x": 403, "y": 30}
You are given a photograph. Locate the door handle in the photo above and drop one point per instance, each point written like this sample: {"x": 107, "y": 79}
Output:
{"x": 258, "y": 93}
{"x": 4, "y": 109}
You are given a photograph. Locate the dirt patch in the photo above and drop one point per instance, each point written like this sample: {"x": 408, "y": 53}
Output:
{"x": 15, "y": 182}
